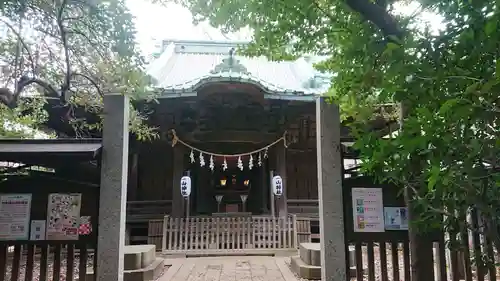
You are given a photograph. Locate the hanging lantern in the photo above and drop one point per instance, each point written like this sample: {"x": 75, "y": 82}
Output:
{"x": 259, "y": 161}
{"x": 265, "y": 153}
{"x": 223, "y": 182}
{"x": 185, "y": 186}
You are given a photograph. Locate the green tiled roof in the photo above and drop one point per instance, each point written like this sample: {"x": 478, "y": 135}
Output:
{"x": 184, "y": 66}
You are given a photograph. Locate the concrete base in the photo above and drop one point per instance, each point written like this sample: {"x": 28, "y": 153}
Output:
{"x": 149, "y": 273}
{"x": 140, "y": 264}
{"x": 139, "y": 256}
{"x": 313, "y": 272}
{"x": 310, "y": 253}
{"x": 308, "y": 264}
{"x": 304, "y": 270}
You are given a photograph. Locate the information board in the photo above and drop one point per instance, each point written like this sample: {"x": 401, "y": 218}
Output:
{"x": 368, "y": 209}
{"x": 15, "y": 216}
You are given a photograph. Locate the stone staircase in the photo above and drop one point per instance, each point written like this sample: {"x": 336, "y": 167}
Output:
{"x": 140, "y": 264}
{"x": 307, "y": 264}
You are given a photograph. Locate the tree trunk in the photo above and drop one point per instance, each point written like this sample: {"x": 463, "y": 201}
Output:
{"x": 422, "y": 267}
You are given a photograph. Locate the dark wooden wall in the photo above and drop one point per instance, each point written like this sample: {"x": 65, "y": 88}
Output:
{"x": 302, "y": 174}
{"x": 154, "y": 171}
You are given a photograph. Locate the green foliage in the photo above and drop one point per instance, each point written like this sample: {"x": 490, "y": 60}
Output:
{"x": 19, "y": 124}
{"x": 84, "y": 48}
{"x": 448, "y": 153}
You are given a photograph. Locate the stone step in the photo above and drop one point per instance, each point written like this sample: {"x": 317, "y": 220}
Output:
{"x": 310, "y": 253}
{"x": 139, "y": 256}
{"x": 149, "y": 273}
{"x": 312, "y": 272}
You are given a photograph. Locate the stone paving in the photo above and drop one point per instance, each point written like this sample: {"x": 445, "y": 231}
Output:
{"x": 229, "y": 269}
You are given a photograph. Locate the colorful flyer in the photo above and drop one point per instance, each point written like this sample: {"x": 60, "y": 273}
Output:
{"x": 368, "y": 210}
{"x": 63, "y": 216}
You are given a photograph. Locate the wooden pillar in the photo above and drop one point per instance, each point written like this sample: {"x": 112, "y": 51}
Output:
{"x": 264, "y": 187}
{"x": 272, "y": 199}
{"x": 113, "y": 191}
{"x": 331, "y": 205}
{"x": 281, "y": 171}
{"x": 177, "y": 173}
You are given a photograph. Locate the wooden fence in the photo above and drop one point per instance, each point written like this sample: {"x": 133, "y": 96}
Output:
{"x": 224, "y": 233}
{"x": 44, "y": 261}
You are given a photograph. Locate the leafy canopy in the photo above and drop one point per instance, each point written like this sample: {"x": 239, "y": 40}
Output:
{"x": 72, "y": 52}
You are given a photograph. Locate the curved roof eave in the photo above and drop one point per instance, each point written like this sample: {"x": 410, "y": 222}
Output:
{"x": 190, "y": 88}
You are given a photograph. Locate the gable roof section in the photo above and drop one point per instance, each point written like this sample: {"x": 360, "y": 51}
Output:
{"x": 184, "y": 66}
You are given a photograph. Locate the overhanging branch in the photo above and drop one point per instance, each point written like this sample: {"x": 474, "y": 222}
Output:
{"x": 378, "y": 15}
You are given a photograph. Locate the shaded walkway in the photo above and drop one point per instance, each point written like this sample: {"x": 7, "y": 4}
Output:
{"x": 229, "y": 269}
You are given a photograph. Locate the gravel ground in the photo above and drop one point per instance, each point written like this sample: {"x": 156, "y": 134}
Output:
{"x": 389, "y": 268}
{"x": 378, "y": 269}
{"x": 50, "y": 268}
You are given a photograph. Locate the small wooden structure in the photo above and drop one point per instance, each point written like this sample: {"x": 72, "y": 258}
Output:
{"x": 68, "y": 167}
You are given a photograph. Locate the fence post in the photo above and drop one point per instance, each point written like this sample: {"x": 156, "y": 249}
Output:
{"x": 295, "y": 234}
{"x": 164, "y": 237}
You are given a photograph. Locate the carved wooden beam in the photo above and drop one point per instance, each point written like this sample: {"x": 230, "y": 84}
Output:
{"x": 232, "y": 137}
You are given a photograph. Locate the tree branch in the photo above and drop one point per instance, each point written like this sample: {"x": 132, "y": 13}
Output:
{"x": 94, "y": 83}
{"x": 378, "y": 15}
{"x": 64, "y": 39}
{"x": 20, "y": 38}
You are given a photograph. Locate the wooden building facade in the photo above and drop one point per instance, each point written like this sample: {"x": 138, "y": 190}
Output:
{"x": 225, "y": 104}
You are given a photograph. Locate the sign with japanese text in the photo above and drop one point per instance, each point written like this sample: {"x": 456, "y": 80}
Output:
{"x": 277, "y": 186}
{"x": 186, "y": 186}
{"x": 368, "y": 210}
{"x": 15, "y": 212}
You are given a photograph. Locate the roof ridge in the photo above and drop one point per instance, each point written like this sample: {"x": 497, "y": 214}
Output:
{"x": 204, "y": 42}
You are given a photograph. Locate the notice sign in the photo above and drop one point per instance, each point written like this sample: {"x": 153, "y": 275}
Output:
{"x": 37, "y": 230}
{"x": 368, "y": 209}
{"x": 63, "y": 216}
{"x": 15, "y": 216}
{"x": 396, "y": 218}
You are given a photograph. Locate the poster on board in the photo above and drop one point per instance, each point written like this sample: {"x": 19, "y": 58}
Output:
{"x": 368, "y": 209}
{"x": 15, "y": 216}
{"x": 37, "y": 230}
{"x": 63, "y": 216}
{"x": 396, "y": 218}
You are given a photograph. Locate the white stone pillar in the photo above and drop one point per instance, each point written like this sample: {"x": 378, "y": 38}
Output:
{"x": 331, "y": 210}
{"x": 113, "y": 193}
